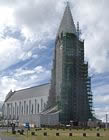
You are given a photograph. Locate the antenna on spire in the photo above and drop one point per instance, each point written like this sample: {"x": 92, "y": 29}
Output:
{"x": 78, "y": 30}
{"x": 67, "y": 2}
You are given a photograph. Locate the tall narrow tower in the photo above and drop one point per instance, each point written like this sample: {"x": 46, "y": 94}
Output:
{"x": 70, "y": 85}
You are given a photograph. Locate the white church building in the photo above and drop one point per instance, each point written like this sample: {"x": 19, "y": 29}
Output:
{"x": 65, "y": 98}
{"x": 26, "y": 105}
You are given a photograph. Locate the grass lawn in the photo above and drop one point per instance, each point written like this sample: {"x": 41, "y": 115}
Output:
{"x": 63, "y": 135}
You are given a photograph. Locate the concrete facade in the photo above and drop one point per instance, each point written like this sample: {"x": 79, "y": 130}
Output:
{"x": 26, "y": 105}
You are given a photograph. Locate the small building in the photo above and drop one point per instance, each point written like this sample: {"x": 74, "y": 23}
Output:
{"x": 26, "y": 105}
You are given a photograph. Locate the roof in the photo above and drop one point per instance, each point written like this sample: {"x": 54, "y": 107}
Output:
{"x": 37, "y": 91}
{"x": 67, "y": 24}
{"x": 52, "y": 110}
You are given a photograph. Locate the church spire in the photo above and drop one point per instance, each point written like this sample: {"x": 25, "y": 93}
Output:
{"x": 67, "y": 24}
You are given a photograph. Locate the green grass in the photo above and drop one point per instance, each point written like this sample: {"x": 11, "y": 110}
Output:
{"x": 64, "y": 135}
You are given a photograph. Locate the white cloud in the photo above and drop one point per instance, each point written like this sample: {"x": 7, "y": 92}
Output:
{"x": 93, "y": 17}
{"x": 101, "y": 113}
{"x": 6, "y": 16}
{"x": 11, "y": 52}
{"x": 102, "y": 99}
{"x": 22, "y": 72}
{"x": 22, "y": 78}
{"x": 8, "y": 2}
{"x": 25, "y": 55}
{"x": 35, "y": 56}
{"x": 10, "y": 49}
{"x": 7, "y": 83}
{"x": 42, "y": 46}
{"x": 102, "y": 89}
{"x": 39, "y": 69}
{"x": 94, "y": 21}
{"x": 30, "y": 16}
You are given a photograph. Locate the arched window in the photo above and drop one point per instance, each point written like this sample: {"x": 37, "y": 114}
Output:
{"x": 27, "y": 110}
{"x": 11, "y": 110}
{"x": 35, "y": 106}
{"x": 17, "y": 112}
{"x": 15, "y": 109}
{"x": 41, "y": 104}
{"x": 19, "y": 108}
{"x": 38, "y": 108}
{"x": 29, "y": 106}
{"x": 24, "y": 107}
{"x": 32, "y": 109}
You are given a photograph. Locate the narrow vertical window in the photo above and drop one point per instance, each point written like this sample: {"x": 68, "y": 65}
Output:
{"x": 24, "y": 107}
{"x": 15, "y": 109}
{"x": 41, "y": 104}
{"x": 19, "y": 108}
{"x": 35, "y": 106}
{"x": 29, "y": 106}
{"x": 38, "y": 108}
{"x": 27, "y": 110}
{"x": 32, "y": 108}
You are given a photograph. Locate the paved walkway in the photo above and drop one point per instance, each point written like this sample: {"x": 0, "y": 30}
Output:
{"x": 6, "y": 137}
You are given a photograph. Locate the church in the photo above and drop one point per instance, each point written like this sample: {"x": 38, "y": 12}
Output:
{"x": 68, "y": 98}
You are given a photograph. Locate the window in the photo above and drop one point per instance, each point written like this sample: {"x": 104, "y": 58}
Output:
{"x": 29, "y": 106}
{"x": 17, "y": 112}
{"x": 15, "y": 108}
{"x": 19, "y": 108}
{"x": 41, "y": 104}
{"x": 38, "y": 108}
{"x": 27, "y": 110}
{"x": 32, "y": 109}
{"x": 11, "y": 109}
{"x": 35, "y": 106}
{"x": 24, "y": 107}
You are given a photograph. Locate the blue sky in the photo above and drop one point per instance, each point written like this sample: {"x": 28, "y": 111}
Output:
{"x": 27, "y": 37}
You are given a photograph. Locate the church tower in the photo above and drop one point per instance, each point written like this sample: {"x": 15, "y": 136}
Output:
{"x": 70, "y": 84}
